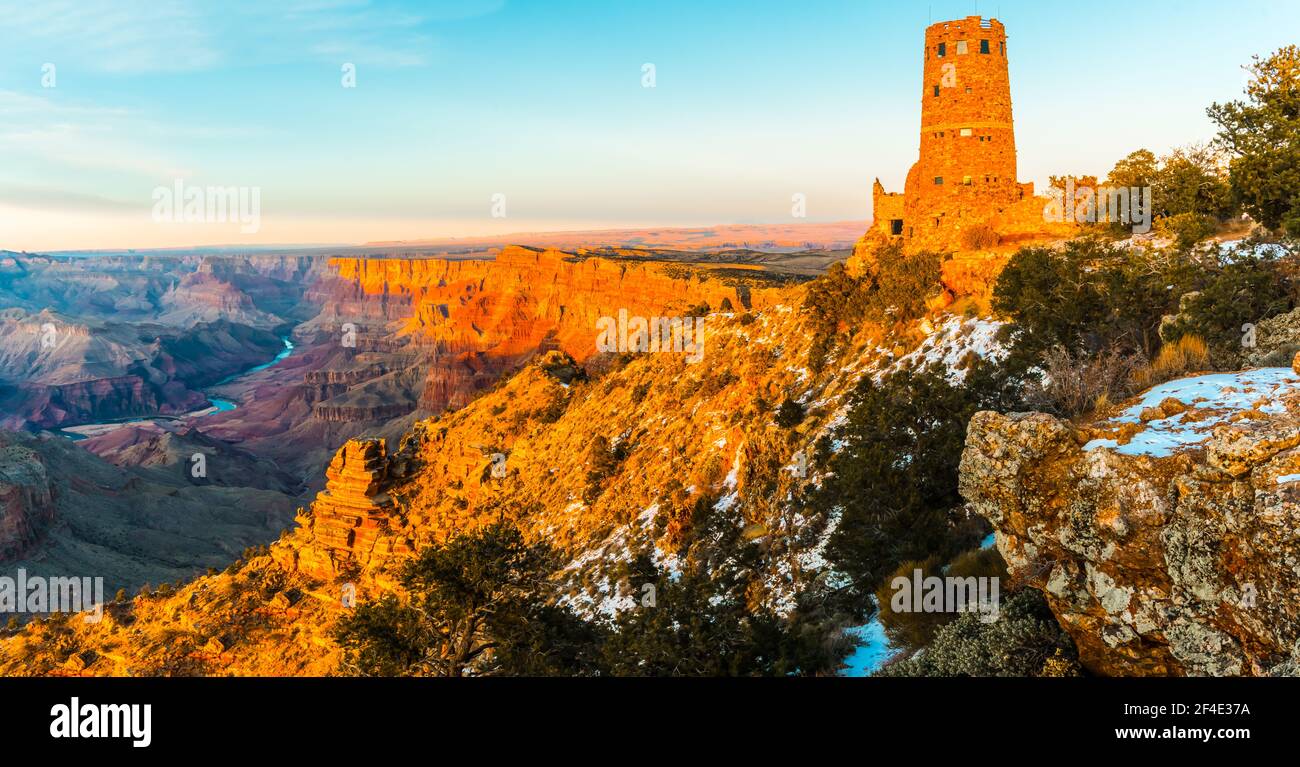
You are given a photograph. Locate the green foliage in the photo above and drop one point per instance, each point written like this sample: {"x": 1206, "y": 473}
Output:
{"x": 1262, "y": 135}
{"x": 562, "y": 368}
{"x": 904, "y": 282}
{"x": 1186, "y": 182}
{"x": 554, "y": 409}
{"x": 602, "y": 463}
{"x": 710, "y": 385}
{"x": 1245, "y": 290}
{"x": 384, "y": 638}
{"x": 1089, "y": 296}
{"x": 1137, "y": 169}
{"x": 475, "y": 605}
{"x": 1186, "y": 229}
{"x": 1190, "y": 181}
{"x": 835, "y": 297}
{"x": 692, "y": 631}
{"x": 894, "y": 480}
{"x": 790, "y": 414}
{"x": 1094, "y": 312}
{"x": 1021, "y": 642}
{"x": 700, "y": 622}
{"x": 897, "y": 288}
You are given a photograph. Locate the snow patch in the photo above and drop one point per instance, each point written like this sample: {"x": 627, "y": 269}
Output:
{"x": 873, "y": 650}
{"x": 950, "y": 344}
{"x": 1224, "y": 392}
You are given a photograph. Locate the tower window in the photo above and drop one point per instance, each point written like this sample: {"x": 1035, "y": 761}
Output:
{"x": 896, "y": 227}
{"x": 966, "y": 131}
{"x": 936, "y": 90}
{"x": 943, "y": 49}
{"x": 938, "y": 180}
{"x": 961, "y": 48}
{"x": 1002, "y": 48}
{"x": 984, "y": 46}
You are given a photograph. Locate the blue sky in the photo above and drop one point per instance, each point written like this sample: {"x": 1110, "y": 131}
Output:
{"x": 542, "y": 101}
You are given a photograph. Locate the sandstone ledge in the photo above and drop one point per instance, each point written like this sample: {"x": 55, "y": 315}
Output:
{"x": 1176, "y": 562}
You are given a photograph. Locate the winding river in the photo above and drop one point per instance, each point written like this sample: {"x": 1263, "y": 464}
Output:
{"x": 218, "y": 405}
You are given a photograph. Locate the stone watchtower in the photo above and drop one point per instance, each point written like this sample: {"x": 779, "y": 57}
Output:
{"x": 966, "y": 173}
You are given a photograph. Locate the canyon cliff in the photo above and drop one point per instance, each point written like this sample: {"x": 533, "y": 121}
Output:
{"x": 473, "y": 320}
{"x": 697, "y": 439}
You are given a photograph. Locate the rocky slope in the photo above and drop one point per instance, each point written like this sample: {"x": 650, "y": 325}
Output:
{"x": 26, "y": 500}
{"x": 693, "y": 436}
{"x": 86, "y": 339}
{"x": 59, "y": 371}
{"x": 67, "y": 512}
{"x": 1166, "y": 538}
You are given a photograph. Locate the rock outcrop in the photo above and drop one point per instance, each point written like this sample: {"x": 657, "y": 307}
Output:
{"x": 1166, "y": 543}
{"x": 26, "y": 500}
{"x": 1275, "y": 340}
{"x": 352, "y": 517}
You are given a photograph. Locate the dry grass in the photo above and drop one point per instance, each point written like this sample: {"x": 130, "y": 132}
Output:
{"x": 1077, "y": 385}
{"x": 980, "y": 237}
{"x": 1188, "y": 354}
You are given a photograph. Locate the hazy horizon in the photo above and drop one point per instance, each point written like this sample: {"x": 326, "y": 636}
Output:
{"x": 462, "y": 110}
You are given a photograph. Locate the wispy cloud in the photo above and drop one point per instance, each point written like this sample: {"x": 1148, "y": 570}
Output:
{"x": 78, "y": 136}
{"x": 54, "y": 199}
{"x": 176, "y": 36}
{"x": 112, "y": 35}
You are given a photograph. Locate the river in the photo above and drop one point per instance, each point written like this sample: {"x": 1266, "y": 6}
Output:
{"x": 218, "y": 405}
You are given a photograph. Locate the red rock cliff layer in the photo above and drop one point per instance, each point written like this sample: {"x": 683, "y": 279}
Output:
{"x": 478, "y": 319}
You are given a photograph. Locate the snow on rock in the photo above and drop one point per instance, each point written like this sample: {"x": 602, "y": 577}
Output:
{"x": 594, "y": 593}
{"x": 1212, "y": 400}
{"x": 1232, "y": 250}
{"x": 951, "y": 343}
{"x": 872, "y": 652}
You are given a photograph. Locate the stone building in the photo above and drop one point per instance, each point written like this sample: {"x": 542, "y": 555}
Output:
{"x": 965, "y": 176}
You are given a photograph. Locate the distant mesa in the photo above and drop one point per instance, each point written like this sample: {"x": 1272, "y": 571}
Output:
{"x": 839, "y": 235}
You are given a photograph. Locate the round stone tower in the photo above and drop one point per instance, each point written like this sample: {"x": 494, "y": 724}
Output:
{"x": 966, "y": 173}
